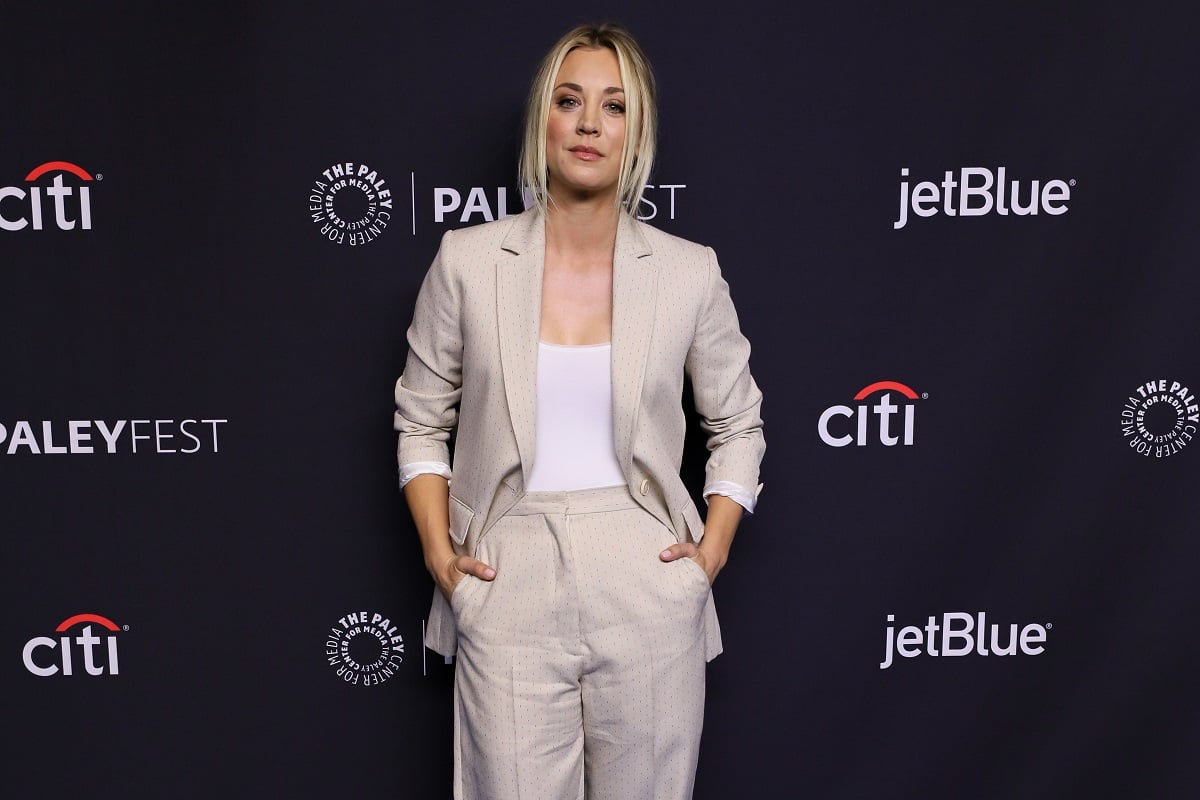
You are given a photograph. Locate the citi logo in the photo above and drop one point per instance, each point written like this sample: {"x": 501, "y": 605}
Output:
{"x": 962, "y": 634}
{"x": 840, "y": 425}
{"x": 979, "y": 191}
{"x": 45, "y": 656}
{"x": 25, "y": 207}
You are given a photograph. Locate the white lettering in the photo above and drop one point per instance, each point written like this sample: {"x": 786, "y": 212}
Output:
{"x": 884, "y": 410}
{"x": 159, "y": 435}
{"x": 183, "y": 429}
{"x": 950, "y": 634}
{"x": 823, "y": 426}
{"x": 27, "y": 655}
{"x": 110, "y": 436}
{"x": 476, "y": 203}
{"x": 48, "y": 445}
{"x": 133, "y": 432}
{"x": 962, "y": 634}
{"x": 445, "y": 200}
{"x": 87, "y": 641}
{"x": 980, "y": 192}
{"x": 215, "y": 423}
{"x": 23, "y": 435}
{"x": 968, "y": 191}
{"x": 6, "y": 223}
{"x": 78, "y": 436}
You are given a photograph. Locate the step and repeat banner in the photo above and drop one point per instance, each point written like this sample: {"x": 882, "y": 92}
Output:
{"x": 964, "y": 242}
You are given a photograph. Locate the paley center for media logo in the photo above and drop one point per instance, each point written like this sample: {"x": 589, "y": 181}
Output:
{"x": 890, "y": 422}
{"x": 45, "y": 656}
{"x": 134, "y": 436}
{"x": 350, "y": 204}
{"x": 957, "y": 633}
{"x": 60, "y": 205}
{"x": 365, "y": 649}
{"x": 978, "y": 191}
{"x": 1160, "y": 418}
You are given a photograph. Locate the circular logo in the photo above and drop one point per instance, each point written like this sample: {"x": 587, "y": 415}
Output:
{"x": 364, "y": 648}
{"x": 1160, "y": 418}
{"x": 350, "y": 204}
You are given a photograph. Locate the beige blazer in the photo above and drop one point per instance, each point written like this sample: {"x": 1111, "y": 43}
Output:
{"x": 472, "y": 360}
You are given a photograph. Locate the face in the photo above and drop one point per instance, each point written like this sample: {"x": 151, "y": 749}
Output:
{"x": 585, "y": 131}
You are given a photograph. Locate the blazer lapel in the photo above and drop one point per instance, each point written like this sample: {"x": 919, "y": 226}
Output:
{"x": 519, "y": 311}
{"x": 635, "y": 290}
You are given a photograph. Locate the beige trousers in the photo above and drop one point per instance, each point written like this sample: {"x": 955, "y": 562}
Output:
{"x": 580, "y": 668}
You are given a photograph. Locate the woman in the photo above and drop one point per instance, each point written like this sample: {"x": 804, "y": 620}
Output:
{"x": 573, "y": 570}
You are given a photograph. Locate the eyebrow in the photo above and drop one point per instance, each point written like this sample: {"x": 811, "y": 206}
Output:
{"x": 575, "y": 87}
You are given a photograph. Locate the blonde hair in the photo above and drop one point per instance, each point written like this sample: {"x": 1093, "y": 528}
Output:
{"x": 641, "y": 113}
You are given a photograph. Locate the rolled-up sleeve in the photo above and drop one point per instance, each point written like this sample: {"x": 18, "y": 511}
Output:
{"x": 727, "y": 398}
{"x": 739, "y": 494}
{"x": 427, "y": 394}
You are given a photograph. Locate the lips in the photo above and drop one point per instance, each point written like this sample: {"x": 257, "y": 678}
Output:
{"x": 586, "y": 153}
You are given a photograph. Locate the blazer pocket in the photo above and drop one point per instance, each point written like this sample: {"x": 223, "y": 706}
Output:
{"x": 460, "y": 520}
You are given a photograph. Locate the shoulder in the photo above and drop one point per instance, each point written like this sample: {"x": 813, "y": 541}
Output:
{"x": 689, "y": 265}
{"x": 668, "y": 245}
{"x": 478, "y": 240}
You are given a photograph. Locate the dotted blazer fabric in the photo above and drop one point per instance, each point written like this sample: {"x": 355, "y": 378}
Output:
{"x": 472, "y": 363}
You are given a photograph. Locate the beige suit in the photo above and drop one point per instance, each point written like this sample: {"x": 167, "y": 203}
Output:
{"x": 473, "y": 357}
{"x": 581, "y": 666}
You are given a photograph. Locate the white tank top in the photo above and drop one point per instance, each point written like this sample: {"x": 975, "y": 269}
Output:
{"x": 574, "y": 428}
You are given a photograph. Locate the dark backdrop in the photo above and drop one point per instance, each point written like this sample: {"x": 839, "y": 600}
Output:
{"x": 1040, "y": 489}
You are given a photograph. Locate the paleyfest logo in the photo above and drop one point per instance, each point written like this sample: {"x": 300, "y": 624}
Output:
{"x": 86, "y": 436}
{"x": 364, "y": 648}
{"x": 350, "y": 204}
{"x": 63, "y": 206}
{"x": 475, "y": 204}
{"x": 1160, "y": 418}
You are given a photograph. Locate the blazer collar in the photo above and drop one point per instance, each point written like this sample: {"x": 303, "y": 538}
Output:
{"x": 518, "y": 310}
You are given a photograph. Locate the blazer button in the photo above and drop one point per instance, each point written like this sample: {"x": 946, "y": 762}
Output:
{"x": 645, "y": 486}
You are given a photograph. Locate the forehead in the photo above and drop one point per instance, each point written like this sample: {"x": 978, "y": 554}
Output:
{"x": 590, "y": 65}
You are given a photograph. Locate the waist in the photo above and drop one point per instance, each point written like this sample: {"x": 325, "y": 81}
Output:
{"x": 575, "y": 501}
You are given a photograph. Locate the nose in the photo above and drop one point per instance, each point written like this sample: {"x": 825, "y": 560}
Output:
{"x": 588, "y": 124}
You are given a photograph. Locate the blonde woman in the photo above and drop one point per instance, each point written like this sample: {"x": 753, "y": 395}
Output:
{"x": 573, "y": 570}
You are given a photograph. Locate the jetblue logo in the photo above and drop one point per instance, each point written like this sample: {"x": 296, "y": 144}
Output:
{"x": 977, "y": 191}
{"x": 957, "y": 633}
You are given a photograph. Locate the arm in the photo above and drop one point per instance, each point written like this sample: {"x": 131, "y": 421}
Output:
{"x": 428, "y": 497}
{"x": 427, "y": 397}
{"x": 720, "y": 525}
{"x": 728, "y": 402}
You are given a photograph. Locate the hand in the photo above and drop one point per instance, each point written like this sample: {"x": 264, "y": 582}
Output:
{"x": 455, "y": 568}
{"x": 697, "y": 553}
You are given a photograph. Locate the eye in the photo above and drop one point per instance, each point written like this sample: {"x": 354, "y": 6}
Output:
{"x": 614, "y": 107}
{"x": 567, "y": 101}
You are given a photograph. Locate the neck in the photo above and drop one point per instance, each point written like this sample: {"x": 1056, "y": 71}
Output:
{"x": 582, "y": 226}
